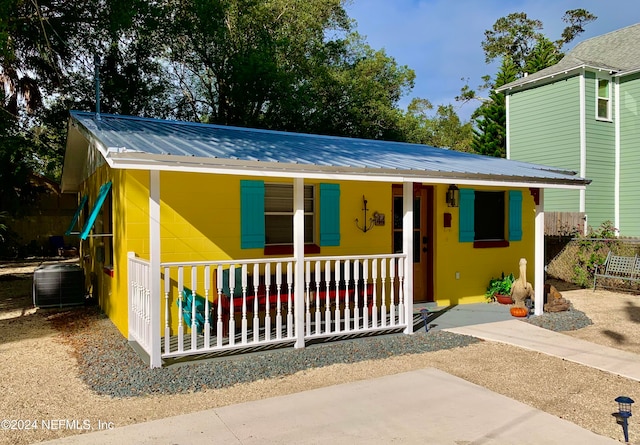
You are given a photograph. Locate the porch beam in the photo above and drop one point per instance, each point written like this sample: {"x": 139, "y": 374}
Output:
{"x": 298, "y": 254}
{"x": 539, "y": 255}
{"x": 407, "y": 249}
{"x": 155, "y": 359}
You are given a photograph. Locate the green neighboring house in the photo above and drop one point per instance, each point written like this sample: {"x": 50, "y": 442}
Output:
{"x": 583, "y": 114}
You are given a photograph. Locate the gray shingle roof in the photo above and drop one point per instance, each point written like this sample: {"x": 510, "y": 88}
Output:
{"x": 616, "y": 51}
{"x": 158, "y": 144}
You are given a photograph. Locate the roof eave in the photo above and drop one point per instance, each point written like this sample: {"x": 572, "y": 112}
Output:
{"x": 560, "y": 74}
{"x": 141, "y": 161}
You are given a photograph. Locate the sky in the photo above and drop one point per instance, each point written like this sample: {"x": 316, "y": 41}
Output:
{"x": 441, "y": 39}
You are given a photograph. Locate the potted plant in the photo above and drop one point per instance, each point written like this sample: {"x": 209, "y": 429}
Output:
{"x": 499, "y": 289}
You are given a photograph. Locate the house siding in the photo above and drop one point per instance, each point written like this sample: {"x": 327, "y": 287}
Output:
{"x": 629, "y": 155}
{"x": 600, "y": 142}
{"x": 475, "y": 266}
{"x": 544, "y": 128}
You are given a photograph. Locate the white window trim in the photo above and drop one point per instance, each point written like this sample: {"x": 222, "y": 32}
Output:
{"x": 600, "y": 77}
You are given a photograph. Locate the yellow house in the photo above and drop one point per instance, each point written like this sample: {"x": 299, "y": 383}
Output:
{"x": 202, "y": 238}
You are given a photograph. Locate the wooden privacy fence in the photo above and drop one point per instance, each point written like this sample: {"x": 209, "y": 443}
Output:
{"x": 564, "y": 223}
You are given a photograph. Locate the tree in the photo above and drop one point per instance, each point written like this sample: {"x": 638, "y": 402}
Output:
{"x": 489, "y": 136}
{"x": 524, "y": 50}
{"x": 516, "y": 35}
{"x": 543, "y": 55}
{"x": 288, "y": 65}
{"x": 443, "y": 129}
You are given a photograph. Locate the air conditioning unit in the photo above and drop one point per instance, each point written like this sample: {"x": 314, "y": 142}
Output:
{"x": 58, "y": 285}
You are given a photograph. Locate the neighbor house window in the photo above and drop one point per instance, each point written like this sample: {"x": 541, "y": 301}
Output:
{"x": 278, "y": 214}
{"x": 603, "y": 99}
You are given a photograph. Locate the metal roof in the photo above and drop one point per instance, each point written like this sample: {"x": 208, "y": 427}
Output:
{"x": 142, "y": 143}
{"x": 617, "y": 52}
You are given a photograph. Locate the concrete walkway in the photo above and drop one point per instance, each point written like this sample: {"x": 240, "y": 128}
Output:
{"x": 427, "y": 406}
{"x": 528, "y": 336}
{"x": 424, "y": 406}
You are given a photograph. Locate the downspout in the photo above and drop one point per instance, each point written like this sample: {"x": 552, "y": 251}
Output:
{"x": 616, "y": 175}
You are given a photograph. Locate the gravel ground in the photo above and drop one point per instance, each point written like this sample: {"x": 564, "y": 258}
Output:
{"x": 570, "y": 320}
{"x": 75, "y": 365}
{"x": 110, "y": 367}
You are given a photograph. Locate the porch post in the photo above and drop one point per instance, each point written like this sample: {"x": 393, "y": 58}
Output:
{"x": 539, "y": 255}
{"x": 298, "y": 254}
{"x": 154, "y": 264}
{"x": 407, "y": 249}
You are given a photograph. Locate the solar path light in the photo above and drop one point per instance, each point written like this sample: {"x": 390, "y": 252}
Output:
{"x": 624, "y": 412}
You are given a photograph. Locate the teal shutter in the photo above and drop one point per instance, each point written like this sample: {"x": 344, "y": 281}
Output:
{"x": 76, "y": 216}
{"x": 515, "y": 215}
{"x": 329, "y": 214}
{"x": 102, "y": 195}
{"x": 467, "y": 215}
{"x": 252, "y": 233}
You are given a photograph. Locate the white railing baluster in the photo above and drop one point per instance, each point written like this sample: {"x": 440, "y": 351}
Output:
{"x": 318, "y": 271}
{"x": 244, "y": 304}
{"x": 337, "y": 298}
{"x": 279, "y": 300}
{"x": 356, "y": 295}
{"x": 194, "y": 326}
{"x": 401, "y": 314}
{"x": 167, "y": 328}
{"x": 367, "y": 291}
{"x": 180, "y": 309}
{"x": 307, "y": 297}
{"x": 383, "y": 286}
{"x": 232, "y": 316}
{"x": 327, "y": 289}
{"x": 392, "y": 287}
{"x": 256, "y": 309}
{"x": 207, "y": 322}
{"x": 220, "y": 324}
{"x": 367, "y": 296}
{"x": 347, "y": 309}
{"x": 289, "y": 300}
{"x": 267, "y": 317}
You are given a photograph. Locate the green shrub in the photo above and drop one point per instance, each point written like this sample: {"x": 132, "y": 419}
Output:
{"x": 499, "y": 286}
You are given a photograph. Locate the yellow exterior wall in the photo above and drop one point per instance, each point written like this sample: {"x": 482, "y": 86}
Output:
{"x": 476, "y": 266}
{"x": 200, "y": 220}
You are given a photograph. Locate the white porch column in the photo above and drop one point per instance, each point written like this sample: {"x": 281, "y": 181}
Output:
{"x": 407, "y": 249}
{"x": 538, "y": 285}
{"x": 154, "y": 263}
{"x": 298, "y": 254}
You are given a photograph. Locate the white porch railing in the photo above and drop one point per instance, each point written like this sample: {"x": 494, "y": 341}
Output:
{"x": 140, "y": 302}
{"x": 211, "y": 306}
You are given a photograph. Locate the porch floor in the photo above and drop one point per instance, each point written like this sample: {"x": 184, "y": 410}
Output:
{"x": 455, "y": 316}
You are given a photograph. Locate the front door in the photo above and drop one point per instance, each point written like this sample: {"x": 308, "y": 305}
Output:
{"x": 422, "y": 238}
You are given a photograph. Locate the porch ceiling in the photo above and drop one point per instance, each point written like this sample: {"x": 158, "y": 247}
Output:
{"x": 151, "y": 144}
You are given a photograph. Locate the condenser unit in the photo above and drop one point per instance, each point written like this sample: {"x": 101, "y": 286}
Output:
{"x": 58, "y": 285}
